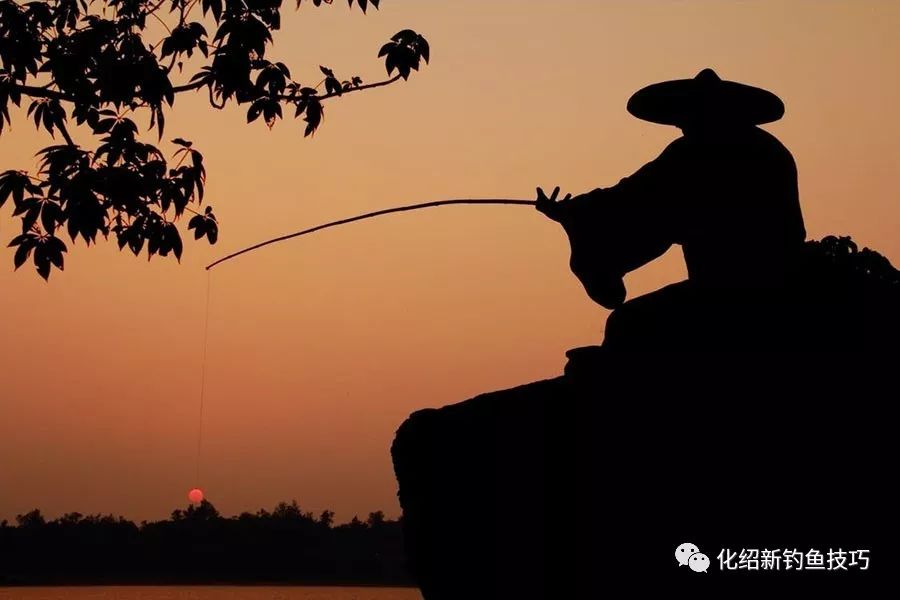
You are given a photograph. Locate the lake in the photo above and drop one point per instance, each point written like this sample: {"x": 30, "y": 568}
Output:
{"x": 204, "y": 592}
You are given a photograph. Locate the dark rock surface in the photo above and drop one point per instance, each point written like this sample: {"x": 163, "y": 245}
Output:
{"x": 774, "y": 433}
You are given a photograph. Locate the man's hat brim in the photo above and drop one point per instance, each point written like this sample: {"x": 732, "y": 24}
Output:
{"x": 705, "y": 97}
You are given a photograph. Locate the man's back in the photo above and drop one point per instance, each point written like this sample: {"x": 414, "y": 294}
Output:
{"x": 735, "y": 205}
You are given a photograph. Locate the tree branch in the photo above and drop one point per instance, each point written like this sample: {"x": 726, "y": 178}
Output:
{"x": 40, "y": 92}
{"x": 60, "y": 124}
{"x": 199, "y": 84}
{"x": 188, "y": 87}
{"x": 155, "y": 7}
{"x": 368, "y": 86}
{"x": 163, "y": 23}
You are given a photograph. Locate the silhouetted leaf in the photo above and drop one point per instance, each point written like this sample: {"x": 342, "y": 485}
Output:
{"x": 424, "y": 48}
{"x": 333, "y": 86}
{"x": 284, "y": 69}
{"x": 271, "y": 80}
{"x": 30, "y": 210}
{"x": 174, "y": 240}
{"x": 363, "y": 4}
{"x": 271, "y": 111}
{"x": 50, "y": 216}
{"x": 42, "y": 260}
{"x": 299, "y": 106}
{"x": 20, "y": 239}
{"x": 15, "y": 184}
{"x": 314, "y": 116}
{"x": 103, "y": 126}
{"x": 254, "y": 111}
{"x": 212, "y": 232}
{"x": 198, "y": 224}
{"x": 214, "y": 6}
{"x": 22, "y": 254}
{"x": 55, "y": 249}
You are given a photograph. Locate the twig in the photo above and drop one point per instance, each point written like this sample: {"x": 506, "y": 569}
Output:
{"x": 367, "y": 86}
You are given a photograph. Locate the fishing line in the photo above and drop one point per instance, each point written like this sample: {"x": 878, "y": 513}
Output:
{"x": 203, "y": 376}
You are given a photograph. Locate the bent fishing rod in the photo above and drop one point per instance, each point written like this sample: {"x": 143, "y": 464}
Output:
{"x": 370, "y": 215}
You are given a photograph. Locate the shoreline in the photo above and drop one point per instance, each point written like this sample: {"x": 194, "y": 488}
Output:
{"x": 325, "y": 584}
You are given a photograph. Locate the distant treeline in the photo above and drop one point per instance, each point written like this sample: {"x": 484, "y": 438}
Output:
{"x": 198, "y": 545}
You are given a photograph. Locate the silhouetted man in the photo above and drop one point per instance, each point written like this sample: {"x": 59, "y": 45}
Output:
{"x": 726, "y": 191}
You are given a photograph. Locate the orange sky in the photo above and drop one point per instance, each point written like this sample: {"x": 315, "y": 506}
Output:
{"x": 320, "y": 347}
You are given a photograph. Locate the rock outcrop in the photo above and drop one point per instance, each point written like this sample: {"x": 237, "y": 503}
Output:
{"x": 780, "y": 436}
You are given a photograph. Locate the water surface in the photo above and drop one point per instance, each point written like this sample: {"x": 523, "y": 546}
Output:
{"x": 202, "y": 592}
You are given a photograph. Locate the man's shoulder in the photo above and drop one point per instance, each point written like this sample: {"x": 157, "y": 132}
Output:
{"x": 679, "y": 144}
{"x": 751, "y": 141}
{"x": 674, "y": 151}
{"x": 764, "y": 136}
{"x": 771, "y": 145}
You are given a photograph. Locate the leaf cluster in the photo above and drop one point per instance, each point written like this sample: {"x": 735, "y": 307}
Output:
{"x": 94, "y": 65}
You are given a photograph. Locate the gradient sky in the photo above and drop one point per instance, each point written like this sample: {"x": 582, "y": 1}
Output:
{"x": 319, "y": 348}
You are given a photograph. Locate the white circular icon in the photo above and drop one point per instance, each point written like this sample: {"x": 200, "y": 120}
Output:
{"x": 699, "y": 562}
{"x": 684, "y": 551}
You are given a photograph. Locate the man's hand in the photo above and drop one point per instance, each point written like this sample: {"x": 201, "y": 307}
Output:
{"x": 549, "y": 206}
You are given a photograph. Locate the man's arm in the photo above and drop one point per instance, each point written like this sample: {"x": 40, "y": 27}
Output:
{"x": 615, "y": 230}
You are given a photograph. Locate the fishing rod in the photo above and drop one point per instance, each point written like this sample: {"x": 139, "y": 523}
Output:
{"x": 370, "y": 215}
{"x": 196, "y": 494}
